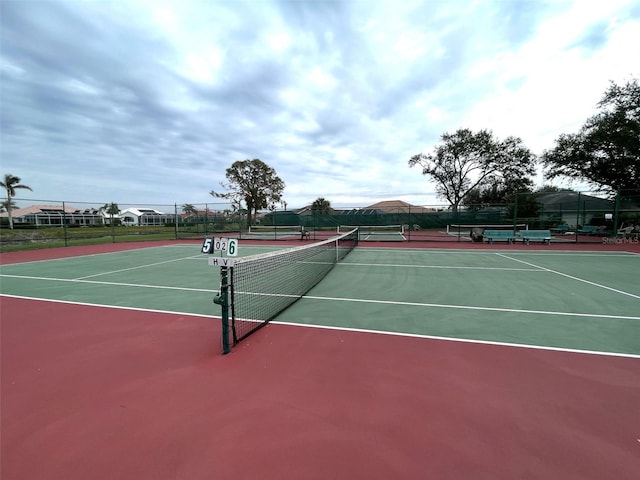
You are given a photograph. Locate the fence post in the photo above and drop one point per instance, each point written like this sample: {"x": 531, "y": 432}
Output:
{"x": 515, "y": 214}
{"x": 64, "y": 223}
{"x": 175, "y": 206}
{"x": 206, "y": 219}
{"x": 578, "y": 217}
{"x": 616, "y": 209}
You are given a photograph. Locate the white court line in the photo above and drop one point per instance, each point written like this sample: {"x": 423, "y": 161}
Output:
{"x": 115, "y": 307}
{"x": 467, "y": 307}
{"x": 346, "y": 329}
{"x": 462, "y": 340}
{"x": 484, "y": 251}
{"x": 453, "y": 267}
{"x": 81, "y": 256}
{"x": 385, "y": 302}
{"x": 570, "y": 276}
{"x": 117, "y": 284}
{"x": 137, "y": 267}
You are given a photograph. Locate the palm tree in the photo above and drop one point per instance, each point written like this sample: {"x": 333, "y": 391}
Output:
{"x": 189, "y": 209}
{"x": 321, "y": 206}
{"x": 112, "y": 209}
{"x": 10, "y": 184}
{"x": 3, "y": 205}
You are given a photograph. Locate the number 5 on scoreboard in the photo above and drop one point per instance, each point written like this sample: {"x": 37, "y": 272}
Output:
{"x": 207, "y": 245}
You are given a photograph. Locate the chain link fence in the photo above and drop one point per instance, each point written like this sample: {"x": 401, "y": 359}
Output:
{"x": 583, "y": 217}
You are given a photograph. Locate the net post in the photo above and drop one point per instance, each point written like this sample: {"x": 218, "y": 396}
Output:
{"x": 222, "y": 299}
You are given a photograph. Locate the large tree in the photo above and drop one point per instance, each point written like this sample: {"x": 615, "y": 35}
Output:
{"x": 253, "y": 182}
{"x": 606, "y": 150}
{"x": 465, "y": 160}
{"x": 11, "y": 183}
{"x": 496, "y": 191}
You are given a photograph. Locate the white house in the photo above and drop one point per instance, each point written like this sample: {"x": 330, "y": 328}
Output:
{"x": 144, "y": 216}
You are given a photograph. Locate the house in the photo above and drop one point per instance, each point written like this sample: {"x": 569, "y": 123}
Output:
{"x": 201, "y": 215}
{"x": 398, "y": 206}
{"x": 573, "y": 208}
{"x": 54, "y": 215}
{"x": 144, "y": 216}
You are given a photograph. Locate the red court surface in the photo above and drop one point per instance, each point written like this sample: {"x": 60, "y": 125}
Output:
{"x": 100, "y": 393}
{"x": 104, "y": 393}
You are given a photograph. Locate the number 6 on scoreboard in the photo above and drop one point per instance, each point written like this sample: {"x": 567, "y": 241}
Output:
{"x": 232, "y": 247}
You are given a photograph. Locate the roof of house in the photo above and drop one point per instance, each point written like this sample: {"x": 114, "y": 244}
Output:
{"x": 398, "y": 206}
{"x": 574, "y": 201}
{"x": 386, "y": 206}
{"x": 202, "y": 213}
{"x": 141, "y": 211}
{"x": 21, "y": 212}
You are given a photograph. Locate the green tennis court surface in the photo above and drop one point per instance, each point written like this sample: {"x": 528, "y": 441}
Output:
{"x": 566, "y": 300}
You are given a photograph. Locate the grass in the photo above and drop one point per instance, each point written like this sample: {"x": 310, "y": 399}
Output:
{"x": 35, "y": 238}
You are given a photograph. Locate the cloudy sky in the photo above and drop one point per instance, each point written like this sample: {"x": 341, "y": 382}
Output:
{"x": 144, "y": 101}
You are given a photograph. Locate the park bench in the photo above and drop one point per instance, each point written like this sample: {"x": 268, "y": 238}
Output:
{"x": 491, "y": 235}
{"x": 591, "y": 229}
{"x": 528, "y": 235}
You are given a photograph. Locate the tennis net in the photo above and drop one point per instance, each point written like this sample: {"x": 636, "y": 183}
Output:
{"x": 377, "y": 233}
{"x": 262, "y": 286}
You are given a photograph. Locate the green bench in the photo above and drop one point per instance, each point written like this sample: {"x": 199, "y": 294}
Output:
{"x": 491, "y": 235}
{"x": 592, "y": 229}
{"x": 529, "y": 235}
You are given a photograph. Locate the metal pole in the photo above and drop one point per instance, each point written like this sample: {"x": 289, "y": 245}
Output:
{"x": 64, "y": 223}
{"x": 578, "y": 217}
{"x": 615, "y": 215}
{"x": 175, "y": 206}
{"x": 515, "y": 214}
{"x": 222, "y": 299}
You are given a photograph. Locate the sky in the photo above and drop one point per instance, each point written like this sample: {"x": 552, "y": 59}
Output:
{"x": 149, "y": 102}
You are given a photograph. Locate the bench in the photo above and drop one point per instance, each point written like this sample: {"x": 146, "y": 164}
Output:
{"x": 529, "y": 235}
{"x": 591, "y": 229}
{"x": 491, "y": 235}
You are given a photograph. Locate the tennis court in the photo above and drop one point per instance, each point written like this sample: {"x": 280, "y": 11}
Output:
{"x": 400, "y": 363}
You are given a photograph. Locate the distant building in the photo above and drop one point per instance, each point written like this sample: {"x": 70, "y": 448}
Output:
{"x": 55, "y": 215}
{"x": 398, "y": 206}
{"x": 573, "y": 208}
{"x": 144, "y": 216}
{"x": 384, "y": 207}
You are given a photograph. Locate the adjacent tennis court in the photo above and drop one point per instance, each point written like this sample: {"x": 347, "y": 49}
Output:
{"x": 400, "y": 363}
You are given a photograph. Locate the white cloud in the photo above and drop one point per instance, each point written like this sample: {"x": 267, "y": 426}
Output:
{"x": 152, "y": 101}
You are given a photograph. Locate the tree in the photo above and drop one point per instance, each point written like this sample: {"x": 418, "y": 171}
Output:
{"x": 3, "y": 205}
{"x": 321, "y": 206}
{"x": 501, "y": 190}
{"x": 606, "y": 150}
{"x": 464, "y": 160}
{"x": 253, "y": 182}
{"x": 189, "y": 209}
{"x": 11, "y": 183}
{"x": 111, "y": 209}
